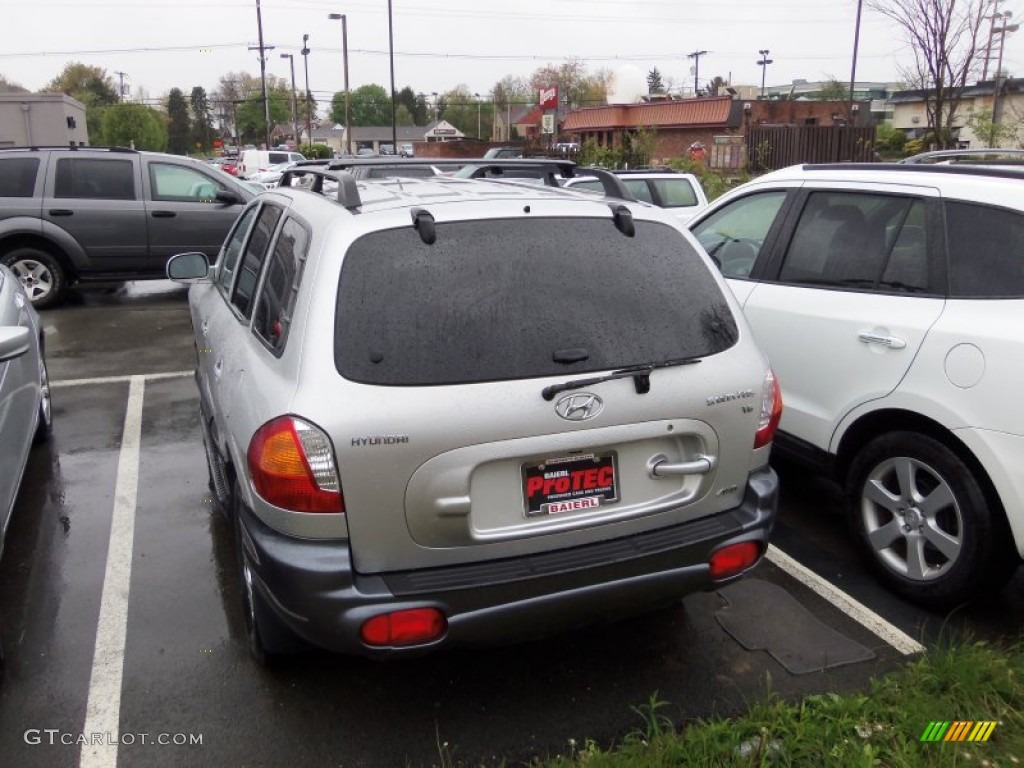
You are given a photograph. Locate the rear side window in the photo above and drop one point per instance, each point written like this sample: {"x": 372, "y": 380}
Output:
{"x": 18, "y": 176}
{"x": 986, "y": 251}
{"x": 275, "y": 158}
{"x": 276, "y": 301}
{"x": 495, "y": 300}
{"x": 639, "y": 189}
{"x": 97, "y": 179}
{"x": 252, "y": 261}
{"x": 675, "y": 193}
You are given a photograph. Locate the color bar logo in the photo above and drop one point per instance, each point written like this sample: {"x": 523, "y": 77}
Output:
{"x": 960, "y": 730}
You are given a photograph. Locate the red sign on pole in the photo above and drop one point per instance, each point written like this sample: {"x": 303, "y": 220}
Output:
{"x": 548, "y": 97}
{"x": 217, "y": 143}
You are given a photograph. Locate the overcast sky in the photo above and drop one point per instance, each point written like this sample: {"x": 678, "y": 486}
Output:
{"x": 438, "y": 44}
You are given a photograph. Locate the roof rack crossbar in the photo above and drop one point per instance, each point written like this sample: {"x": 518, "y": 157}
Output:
{"x": 610, "y": 182}
{"x": 348, "y": 191}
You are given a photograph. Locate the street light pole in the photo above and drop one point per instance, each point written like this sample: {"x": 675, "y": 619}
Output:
{"x": 477, "y": 115}
{"x": 997, "y": 107}
{"x": 344, "y": 57}
{"x": 763, "y": 63}
{"x": 295, "y": 108}
{"x": 263, "y": 76}
{"x": 391, "y": 56}
{"x": 853, "y": 68}
{"x": 309, "y": 100}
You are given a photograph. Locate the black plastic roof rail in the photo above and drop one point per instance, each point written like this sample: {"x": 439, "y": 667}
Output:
{"x": 348, "y": 191}
{"x": 961, "y": 169}
{"x": 68, "y": 148}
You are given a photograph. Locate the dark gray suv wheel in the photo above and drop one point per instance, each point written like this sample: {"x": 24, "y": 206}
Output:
{"x": 40, "y": 274}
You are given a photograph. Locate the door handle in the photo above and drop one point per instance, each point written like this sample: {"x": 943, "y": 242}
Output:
{"x": 61, "y": 212}
{"x": 164, "y": 214}
{"x": 892, "y": 342}
{"x": 660, "y": 466}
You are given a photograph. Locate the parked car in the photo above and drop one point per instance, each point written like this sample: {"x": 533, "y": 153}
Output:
{"x": 406, "y": 150}
{"x": 25, "y": 413}
{"x": 254, "y": 161}
{"x": 77, "y": 214}
{"x": 889, "y": 300}
{"x": 681, "y": 193}
{"x": 503, "y": 153}
{"x": 410, "y": 464}
{"x": 269, "y": 178}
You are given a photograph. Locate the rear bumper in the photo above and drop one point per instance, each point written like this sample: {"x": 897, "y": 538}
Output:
{"x": 313, "y": 589}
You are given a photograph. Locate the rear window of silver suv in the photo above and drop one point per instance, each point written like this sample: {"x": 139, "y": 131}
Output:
{"x": 511, "y": 299}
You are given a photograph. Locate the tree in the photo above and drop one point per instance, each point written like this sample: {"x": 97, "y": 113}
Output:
{"x": 991, "y": 133}
{"x": 202, "y": 120}
{"x": 251, "y": 120}
{"x": 944, "y": 37}
{"x": 654, "y": 83}
{"x": 369, "y": 105}
{"x": 575, "y": 85}
{"x": 90, "y": 85}
{"x": 6, "y": 86}
{"x": 179, "y": 126}
{"x": 833, "y": 90}
{"x": 134, "y": 125}
{"x": 716, "y": 84}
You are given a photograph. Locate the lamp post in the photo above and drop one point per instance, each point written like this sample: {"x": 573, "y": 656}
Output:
{"x": 477, "y": 115}
{"x": 763, "y": 63}
{"x": 344, "y": 58}
{"x": 295, "y": 109}
{"x": 391, "y": 56}
{"x": 309, "y": 100}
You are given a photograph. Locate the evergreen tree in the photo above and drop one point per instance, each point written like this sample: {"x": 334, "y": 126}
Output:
{"x": 179, "y": 126}
{"x": 654, "y": 83}
{"x": 202, "y": 118}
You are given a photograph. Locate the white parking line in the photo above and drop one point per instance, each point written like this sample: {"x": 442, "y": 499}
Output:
{"x": 863, "y": 615}
{"x": 119, "y": 379}
{"x": 103, "y": 711}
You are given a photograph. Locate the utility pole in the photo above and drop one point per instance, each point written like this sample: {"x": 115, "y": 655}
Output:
{"x": 344, "y": 58}
{"x": 309, "y": 96}
{"x": 997, "y": 107}
{"x": 763, "y": 63}
{"x": 263, "y": 75}
{"x": 696, "y": 68}
{"x": 120, "y": 91}
{"x": 991, "y": 35}
{"x": 853, "y": 67}
{"x": 295, "y": 109}
{"x": 391, "y": 55}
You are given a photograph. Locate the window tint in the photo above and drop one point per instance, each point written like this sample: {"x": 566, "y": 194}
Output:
{"x": 986, "y": 251}
{"x": 844, "y": 239}
{"x": 275, "y": 158}
{"x": 639, "y": 189}
{"x": 175, "y": 183}
{"x": 18, "y": 176}
{"x": 734, "y": 234}
{"x": 255, "y": 251}
{"x": 233, "y": 248}
{"x": 675, "y": 193}
{"x": 515, "y": 299}
{"x": 276, "y": 299}
{"x": 98, "y": 179}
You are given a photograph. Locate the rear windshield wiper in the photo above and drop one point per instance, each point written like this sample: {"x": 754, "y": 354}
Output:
{"x": 641, "y": 374}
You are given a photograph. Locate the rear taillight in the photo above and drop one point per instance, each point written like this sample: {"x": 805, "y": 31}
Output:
{"x": 771, "y": 410}
{"x": 409, "y": 627}
{"x": 734, "y": 559}
{"x": 291, "y": 463}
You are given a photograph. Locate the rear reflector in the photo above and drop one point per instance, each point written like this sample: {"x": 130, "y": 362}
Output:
{"x": 411, "y": 627}
{"x": 734, "y": 559}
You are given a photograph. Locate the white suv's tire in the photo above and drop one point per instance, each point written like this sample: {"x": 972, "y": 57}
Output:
{"x": 924, "y": 521}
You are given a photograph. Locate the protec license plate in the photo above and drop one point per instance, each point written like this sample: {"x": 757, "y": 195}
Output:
{"x": 569, "y": 484}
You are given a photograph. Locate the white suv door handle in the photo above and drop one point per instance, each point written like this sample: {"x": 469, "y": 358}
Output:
{"x": 659, "y": 466}
{"x": 892, "y": 342}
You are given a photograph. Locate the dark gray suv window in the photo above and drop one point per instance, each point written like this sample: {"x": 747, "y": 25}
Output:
{"x": 98, "y": 179}
{"x": 18, "y": 176}
{"x": 986, "y": 251}
{"x": 492, "y": 300}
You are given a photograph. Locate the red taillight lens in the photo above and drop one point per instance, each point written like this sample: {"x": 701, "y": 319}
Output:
{"x": 411, "y": 627}
{"x": 734, "y": 559}
{"x": 291, "y": 463}
{"x": 771, "y": 410}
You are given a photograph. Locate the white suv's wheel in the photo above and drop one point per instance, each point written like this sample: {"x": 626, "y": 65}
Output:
{"x": 924, "y": 520}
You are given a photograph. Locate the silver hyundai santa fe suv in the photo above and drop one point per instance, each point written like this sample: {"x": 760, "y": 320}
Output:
{"x": 445, "y": 412}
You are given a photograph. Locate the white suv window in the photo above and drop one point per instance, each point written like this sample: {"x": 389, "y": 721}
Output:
{"x": 734, "y": 235}
{"x": 986, "y": 251}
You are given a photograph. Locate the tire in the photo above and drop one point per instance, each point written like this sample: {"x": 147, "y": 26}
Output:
{"x": 924, "y": 523}
{"x": 45, "y": 426}
{"x": 266, "y": 638}
{"x": 40, "y": 274}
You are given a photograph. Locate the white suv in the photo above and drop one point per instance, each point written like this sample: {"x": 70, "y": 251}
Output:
{"x": 890, "y": 301}
{"x": 680, "y": 193}
{"x": 446, "y": 411}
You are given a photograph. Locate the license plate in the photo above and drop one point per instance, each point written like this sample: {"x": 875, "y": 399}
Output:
{"x": 569, "y": 484}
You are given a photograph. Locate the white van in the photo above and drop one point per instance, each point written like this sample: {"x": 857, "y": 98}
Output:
{"x": 255, "y": 161}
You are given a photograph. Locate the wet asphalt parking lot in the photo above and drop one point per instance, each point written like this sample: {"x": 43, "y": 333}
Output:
{"x": 121, "y": 619}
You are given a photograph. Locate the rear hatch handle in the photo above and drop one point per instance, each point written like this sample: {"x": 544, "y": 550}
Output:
{"x": 660, "y": 466}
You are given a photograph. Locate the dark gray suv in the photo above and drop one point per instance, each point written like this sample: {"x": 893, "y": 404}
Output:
{"x": 90, "y": 214}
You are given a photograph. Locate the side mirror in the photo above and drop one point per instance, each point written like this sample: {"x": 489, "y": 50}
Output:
{"x": 14, "y": 342}
{"x": 228, "y": 197}
{"x": 190, "y": 267}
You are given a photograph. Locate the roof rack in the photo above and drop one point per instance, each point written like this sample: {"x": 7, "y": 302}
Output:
{"x": 348, "y": 192}
{"x": 979, "y": 156}
{"x": 72, "y": 148}
{"x": 962, "y": 169}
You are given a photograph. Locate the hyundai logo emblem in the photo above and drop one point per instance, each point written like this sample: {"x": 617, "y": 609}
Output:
{"x": 579, "y": 406}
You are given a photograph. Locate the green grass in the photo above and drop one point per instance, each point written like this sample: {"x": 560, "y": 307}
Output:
{"x": 883, "y": 727}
